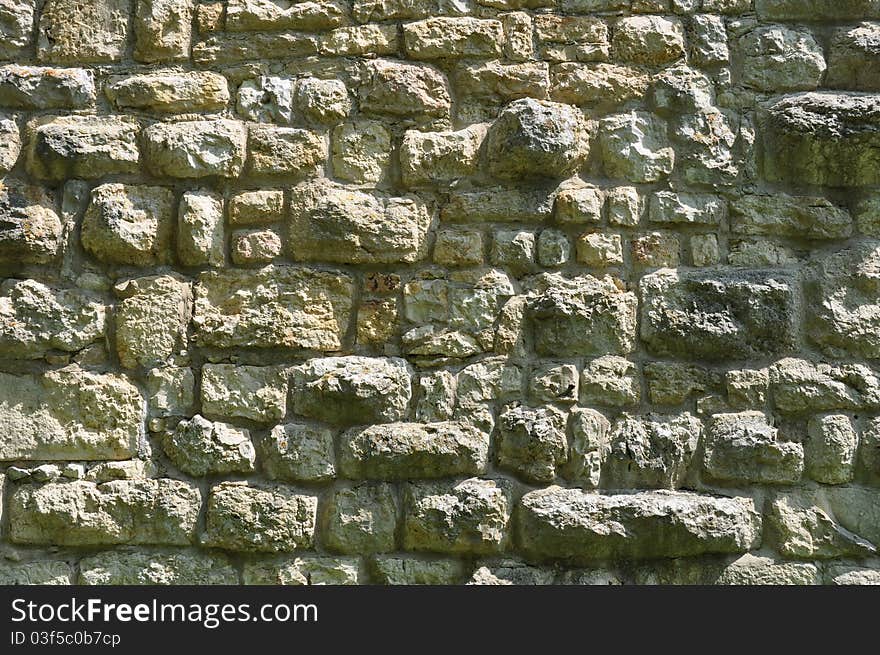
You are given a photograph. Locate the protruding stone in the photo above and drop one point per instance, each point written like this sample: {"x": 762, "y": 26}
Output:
{"x": 778, "y": 59}
{"x": 194, "y": 149}
{"x": 36, "y": 87}
{"x": 170, "y": 92}
{"x": 155, "y": 568}
{"x": 635, "y": 147}
{"x": 442, "y": 37}
{"x": 651, "y": 40}
{"x": 30, "y": 229}
{"x": 256, "y": 393}
{"x": 532, "y": 442}
{"x": 297, "y": 452}
{"x": 163, "y": 30}
{"x": 362, "y": 519}
{"x": 200, "y": 231}
{"x": 200, "y": 447}
{"x": 415, "y": 91}
{"x": 91, "y": 32}
{"x": 854, "y": 59}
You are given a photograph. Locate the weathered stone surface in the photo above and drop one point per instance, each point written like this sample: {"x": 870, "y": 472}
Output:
{"x": 582, "y": 316}
{"x": 162, "y": 30}
{"x": 826, "y": 139}
{"x": 532, "y": 442}
{"x": 428, "y": 158}
{"x": 576, "y": 525}
{"x": 250, "y": 247}
{"x": 200, "y": 230}
{"x": 170, "y": 92}
{"x": 511, "y": 572}
{"x": 10, "y": 143}
{"x": 302, "y": 571}
{"x": 69, "y": 414}
{"x": 361, "y": 152}
{"x": 500, "y": 82}
{"x": 441, "y": 37}
{"x": 685, "y": 208}
{"x": 501, "y": 204}
{"x": 398, "y": 451}
{"x": 634, "y": 146}
{"x": 412, "y": 571}
{"x": 842, "y": 307}
{"x": 779, "y": 59}
{"x": 332, "y": 223}
{"x": 802, "y": 531}
{"x": 854, "y": 58}
{"x": 651, "y": 452}
{"x": 274, "y": 307}
{"x": 155, "y": 568}
{"x": 170, "y": 391}
{"x": 565, "y": 38}
{"x": 746, "y": 569}
{"x": 129, "y": 224}
{"x": 600, "y": 85}
{"x": 744, "y": 447}
{"x": 816, "y": 10}
{"x": 362, "y": 519}
{"x": 284, "y": 151}
{"x": 82, "y": 146}
{"x": 798, "y": 386}
{"x": 651, "y": 40}
{"x": 80, "y": 513}
{"x": 537, "y": 138}
{"x": 243, "y": 517}
{"x": 16, "y": 26}
{"x": 93, "y": 31}
{"x": 840, "y": 575}
{"x": 194, "y": 149}
{"x": 610, "y": 380}
{"x": 412, "y": 91}
{"x": 37, "y": 572}
{"x": 225, "y": 48}
{"x": 554, "y": 383}
{"x": 717, "y": 315}
{"x": 352, "y": 389}
{"x": 790, "y": 216}
{"x": 200, "y": 447}
{"x": 296, "y": 452}
{"x": 855, "y": 509}
{"x": 30, "y": 229}
{"x": 151, "y": 319}
{"x": 830, "y": 449}
{"x": 869, "y": 449}
{"x": 374, "y": 39}
{"x": 255, "y": 15}
{"x": 589, "y": 447}
{"x": 256, "y": 393}
{"x": 471, "y": 516}
{"x": 37, "y": 87}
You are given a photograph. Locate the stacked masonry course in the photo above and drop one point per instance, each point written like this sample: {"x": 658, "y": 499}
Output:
{"x": 429, "y": 291}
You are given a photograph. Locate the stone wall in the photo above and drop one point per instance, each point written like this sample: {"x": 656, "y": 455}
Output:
{"x": 440, "y": 291}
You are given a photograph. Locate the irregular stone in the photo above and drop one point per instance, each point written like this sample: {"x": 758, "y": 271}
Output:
{"x": 392, "y": 570}
{"x": 635, "y": 147}
{"x": 651, "y": 40}
{"x": 854, "y": 58}
{"x": 257, "y": 15}
{"x": 802, "y": 531}
{"x": 582, "y": 316}
{"x": 554, "y": 248}
{"x": 843, "y": 312}
{"x": 624, "y": 206}
{"x": 30, "y": 229}
{"x": 84, "y": 32}
{"x": 244, "y": 517}
{"x": 200, "y": 232}
{"x": 352, "y": 389}
{"x": 332, "y": 223}
{"x": 224, "y": 48}
{"x": 303, "y": 570}
{"x": 442, "y": 37}
{"x": 82, "y": 146}
{"x": 16, "y": 28}
{"x": 37, "y": 318}
{"x": 554, "y": 383}
{"x": 655, "y": 250}
{"x": 707, "y": 146}
{"x": 651, "y": 452}
{"x": 497, "y": 204}
{"x": 536, "y": 138}
{"x": 790, "y": 216}
{"x": 361, "y": 40}
{"x": 80, "y": 513}
{"x": 254, "y": 247}
{"x": 163, "y": 30}
{"x": 685, "y": 208}
{"x": 840, "y": 575}
{"x": 576, "y": 525}
{"x": 798, "y": 385}
{"x": 399, "y": 451}
{"x": 458, "y": 248}
{"x": 170, "y": 391}
{"x": 744, "y": 447}
{"x": 172, "y": 93}
{"x": 256, "y": 393}
{"x": 717, "y": 315}
{"x": 869, "y": 449}
{"x": 10, "y": 143}
{"x": 152, "y": 319}
{"x": 780, "y": 59}
{"x": 488, "y": 380}
{"x": 129, "y": 224}
{"x": 708, "y": 40}
{"x": 69, "y": 414}
{"x": 266, "y": 99}
{"x": 155, "y": 568}
{"x": 37, "y": 87}
{"x": 500, "y": 82}
{"x": 856, "y": 509}
{"x": 415, "y": 91}
{"x": 362, "y": 519}
{"x": 511, "y": 572}
{"x": 194, "y": 149}
{"x": 610, "y": 380}
{"x": 471, "y": 516}
{"x": 274, "y": 307}
{"x": 589, "y": 447}
{"x": 746, "y": 569}
{"x": 376, "y": 322}
{"x": 830, "y": 449}
{"x": 578, "y": 38}
{"x": 600, "y": 85}
{"x": 37, "y": 572}
{"x": 816, "y": 10}
{"x": 514, "y": 250}
{"x": 532, "y": 442}
{"x": 361, "y": 152}
{"x": 201, "y": 447}
{"x": 322, "y": 101}
{"x": 284, "y": 151}
{"x": 825, "y": 139}
{"x": 296, "y": 452}
{"x": 429, "y": 158}
{"x": 672, "y": 383}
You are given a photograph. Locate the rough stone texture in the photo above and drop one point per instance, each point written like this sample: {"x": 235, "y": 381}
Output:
{"x": 358, "y": 278}
{"x": 571, "y": 524}
{"x": 69, "y": 414}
